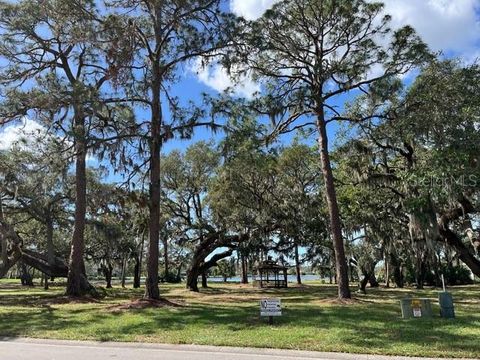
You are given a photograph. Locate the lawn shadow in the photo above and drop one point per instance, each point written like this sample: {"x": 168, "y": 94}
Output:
{"x": 222, "y": 313}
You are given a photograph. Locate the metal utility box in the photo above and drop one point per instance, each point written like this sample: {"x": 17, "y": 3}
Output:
{"x": 447, "y": 309}
{"x": 416, "y": 308}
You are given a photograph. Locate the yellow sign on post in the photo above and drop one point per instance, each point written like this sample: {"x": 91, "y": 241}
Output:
{"x": 417, "y": 308}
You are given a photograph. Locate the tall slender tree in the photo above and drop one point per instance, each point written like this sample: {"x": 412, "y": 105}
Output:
{"x": 166, "y": 35}
{"x": 56, "y": 73}
{"x": 309, "y": 54}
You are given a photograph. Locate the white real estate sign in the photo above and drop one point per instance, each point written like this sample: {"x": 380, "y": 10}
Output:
{"x": 270, "y": 307}
{"x": 417, "y": 312}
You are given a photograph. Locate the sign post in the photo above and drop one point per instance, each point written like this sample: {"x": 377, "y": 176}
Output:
{"x": 270, "y": 308}
{"x": 416, "y": 308}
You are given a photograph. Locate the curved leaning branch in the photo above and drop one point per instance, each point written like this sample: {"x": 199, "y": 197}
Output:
{"x": 12, "y": 252}
{"x": 452, "y": 239}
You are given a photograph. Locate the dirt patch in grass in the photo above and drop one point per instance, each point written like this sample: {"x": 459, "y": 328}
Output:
{"x": 44, "y": 301}
{"x": 337, "y": 301}
{"x": 137, "y": 304}
{"x": 59, "y": 300}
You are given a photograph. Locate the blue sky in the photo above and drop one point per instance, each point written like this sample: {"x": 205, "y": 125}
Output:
{"x": 449, "y": 26}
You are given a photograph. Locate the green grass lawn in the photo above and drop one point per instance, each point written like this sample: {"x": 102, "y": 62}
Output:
{"x": 229, "y": 315}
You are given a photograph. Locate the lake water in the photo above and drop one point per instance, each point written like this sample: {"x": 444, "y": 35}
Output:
{"x": 290, "y": 278}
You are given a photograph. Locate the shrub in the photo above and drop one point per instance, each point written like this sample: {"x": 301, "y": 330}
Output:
{"x": 171, "y": 277}
{"x": 457, "y": 275}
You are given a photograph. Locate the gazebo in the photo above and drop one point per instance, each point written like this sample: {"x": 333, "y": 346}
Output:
{"x": 272, "y": 275}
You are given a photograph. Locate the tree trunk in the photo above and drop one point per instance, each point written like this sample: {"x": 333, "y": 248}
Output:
{"x": 387, "y": 271}
{"x": 40, "y": 262}
{"x": 373, "y": 280}
{"x": 193, "y": 270}
{"x": 331, "y": 196}
{"x": 363, "y": 283}
{"x": 138, "y": 264}
{"x": 453, "y": 240}
{"x": 3, "y": 240}
{"x": 179, "y": 271}
{"x": 124, "y": 271}
{"x": 198, "y": 266}
{"x": 11, "y": 244}
{"x": 204, "y": 280}
{"x": 419, "y": 271}
{"x": 4, "y": 254}
{"x": 195, "y": 267}
{"x": 107, "y": 272}
{"x": 25, "y": 277}
{"x": 45, "y": 281}
{"x": 418, "y": 279}
{"x": 77, "y": 283}
{"x": 244, "y": 269}
{"x": 352, "y": 273}
{"x": 152, "y": 290}
{"x": 192, "y": 280}
{"x": 397, "y": 271}
{"x": 366, "y": 274}
{"x": 437, "y": 270}
{"x": 297, "y": 266}
{"x": 165, "y": 258}
{"x": 136, "y": 273}
{"x": 50, "y": 248}
{"x": 463, "y": 253}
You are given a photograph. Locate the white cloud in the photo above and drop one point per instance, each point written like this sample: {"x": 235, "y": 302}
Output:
{"x": 448, "y": 25}
{"x": 251, "y": 9}
{"x": 25, "y": 134}
{"x": 31, "y": 136}
{"x": 217, "y": 78}
{"x": 451, "y": 26}
{"x": 445, "y": 25}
